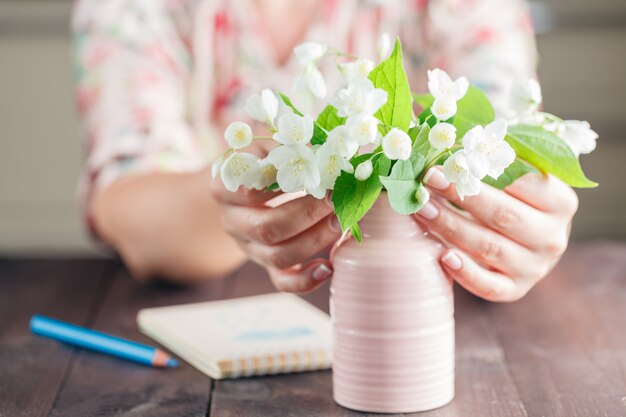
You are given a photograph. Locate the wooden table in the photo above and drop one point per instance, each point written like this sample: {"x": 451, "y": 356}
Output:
{"x": 561, "y": 351}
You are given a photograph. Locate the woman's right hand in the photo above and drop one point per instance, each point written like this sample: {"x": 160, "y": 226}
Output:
{"x": 292, "y": 240}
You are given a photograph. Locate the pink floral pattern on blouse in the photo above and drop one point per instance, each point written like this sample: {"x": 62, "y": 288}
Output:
{"x": 157, "y": 79}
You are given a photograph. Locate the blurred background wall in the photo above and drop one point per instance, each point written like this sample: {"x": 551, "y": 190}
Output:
{"x": 582, "y": 45}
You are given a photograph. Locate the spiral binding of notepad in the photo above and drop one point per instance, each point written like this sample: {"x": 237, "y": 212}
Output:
{"x": 267, "y": 363}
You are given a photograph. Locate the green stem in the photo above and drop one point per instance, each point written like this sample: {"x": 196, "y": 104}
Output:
{"x": 432, "y": 162}
{"x": 261, "y": 137}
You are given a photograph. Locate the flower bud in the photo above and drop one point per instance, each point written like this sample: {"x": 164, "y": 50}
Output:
{"x": 363, "y": 170}
{"x": 238, "y": 135}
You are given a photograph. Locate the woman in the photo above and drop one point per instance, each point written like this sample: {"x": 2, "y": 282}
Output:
{"x": 159, "y": 80}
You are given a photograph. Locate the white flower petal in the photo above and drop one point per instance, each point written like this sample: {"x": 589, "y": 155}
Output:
{"x": 239, "y": 169}
{"x": 363, "y": 128}
{"x": 341, "y": 139}
{"x": 442, "y": 136}
{"x": 315, "y": 82}
{"x": 238, "y": 135}
{"x": 397, "y": 145}
{"x": 360, "y": 97}
{"x": 296, "y": 167}
{"x": 308, "y": 53}
{"x": 262, "y": 107}
{"x": 441, "y": 85}
{"x": 496, "y": 129}
{"x": 294, "y": 129}
{"x": 267, "y": 175}
{"x": 525, "y": 96}
{"x": 457, "y": 171}
{"x": 579, "y": 136}
{"x": 356, "y": 70}
{"x": 443, "y": 108}
{"x": 383, "y": 47}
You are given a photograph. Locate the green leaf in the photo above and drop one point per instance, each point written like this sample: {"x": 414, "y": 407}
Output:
{"x": 352, "y": 198}
{"x": 549, "y": 153}
{"x": 516, "y": 170}
{"x": 326, "y": 121}
{"x": 473, "y": 109}
{"x": 402, "y": 184}
{"x": 272, "y": 187}
{"x": 391, "y": 77}
{"x": 355, "y": 230}
{"x": 289, "y": 104}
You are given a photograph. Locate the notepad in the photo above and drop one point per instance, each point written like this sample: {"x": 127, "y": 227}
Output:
{"x": 259, "y": 335}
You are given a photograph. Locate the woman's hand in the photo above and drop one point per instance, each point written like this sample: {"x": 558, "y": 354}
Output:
{"x": 291, "y": 240}
{"x": 506, "y": 241}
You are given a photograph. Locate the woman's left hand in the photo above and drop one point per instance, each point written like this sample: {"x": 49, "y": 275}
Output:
{"x": 506, "y": 241}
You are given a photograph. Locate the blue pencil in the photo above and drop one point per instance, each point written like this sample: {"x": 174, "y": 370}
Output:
{"x": 100, "y": 342}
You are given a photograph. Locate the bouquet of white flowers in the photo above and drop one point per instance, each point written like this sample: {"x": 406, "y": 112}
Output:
{"x": 368, "y": 139}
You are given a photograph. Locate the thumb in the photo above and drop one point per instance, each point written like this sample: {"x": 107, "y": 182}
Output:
{"x": 302, "y": 278}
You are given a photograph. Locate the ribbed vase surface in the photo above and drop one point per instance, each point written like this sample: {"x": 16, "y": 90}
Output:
{"x": 392, "y": 311}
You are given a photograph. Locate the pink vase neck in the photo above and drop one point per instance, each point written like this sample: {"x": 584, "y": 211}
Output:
{"x": 383, "y": 221}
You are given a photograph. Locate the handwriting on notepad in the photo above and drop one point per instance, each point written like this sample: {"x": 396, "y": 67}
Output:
{"x": 289, "y": 333}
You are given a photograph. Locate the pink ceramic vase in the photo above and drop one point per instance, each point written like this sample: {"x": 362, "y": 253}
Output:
{"x": 392, "y": 312}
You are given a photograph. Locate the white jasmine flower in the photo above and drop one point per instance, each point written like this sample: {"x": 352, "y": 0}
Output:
{"x": 356, "y": 70}
{"x": 363, "y": 127}
{"x": 443, "y": 108}
{"x": 216, "y": 166}
{"x": 442, "y": 136}
{"x": 263, "y": 107}
{"x": 577, "y": 134}
{"x": 266, "y": 175}
{"x": 238, "y": 135}
{"x": 311, "y": 80}
{"x": 343, "y": 141}
{"x": 525, "y": 96}
{"x": 441, "y": 85}
{"x": 397, "y": 145}
{"x": 309, "y": 53}
{"x": 330, "y": 164}
{"x": 241, "y": 168}
{"x": 486, "y": 150}
{"x": 294, "y": 129}
{"x": 456, "y": 170}
{"x": 383, "y": 47}
{"x": 363, "y": 170}
{"x": 360, "y": 97}
{"x": 296, "y": 167}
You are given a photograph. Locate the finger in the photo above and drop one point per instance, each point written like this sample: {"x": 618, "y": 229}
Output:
{"x": 495, "y": 209}
{"x": 486, "y": 246}
{"x": 274, "y": 225}
{"x": 481, "y": 282}
{"x": 242, "y": 197}
{"x": 299, "y": 249}
{"x": 545, "y": 192}
{"x": 302, "y": 279}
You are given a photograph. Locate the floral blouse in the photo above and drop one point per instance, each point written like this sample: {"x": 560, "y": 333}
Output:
{"x": 157, "y": 79}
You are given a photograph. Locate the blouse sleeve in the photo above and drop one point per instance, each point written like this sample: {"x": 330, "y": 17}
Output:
{"x": 490, "y": 41}
{"x": 133, "y": 71}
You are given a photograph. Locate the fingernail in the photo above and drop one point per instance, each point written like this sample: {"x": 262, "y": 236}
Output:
{"x": 436, "y": 179}
{"x": 452, "y": 260}
{"x": 429, "y": 211}
{"x": 334, "y": 223}
{"x": 321, "y": 272}
{"x": 329, "y": 199}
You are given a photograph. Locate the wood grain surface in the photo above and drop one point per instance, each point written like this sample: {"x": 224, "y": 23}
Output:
{"x": 561, "y": 351}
